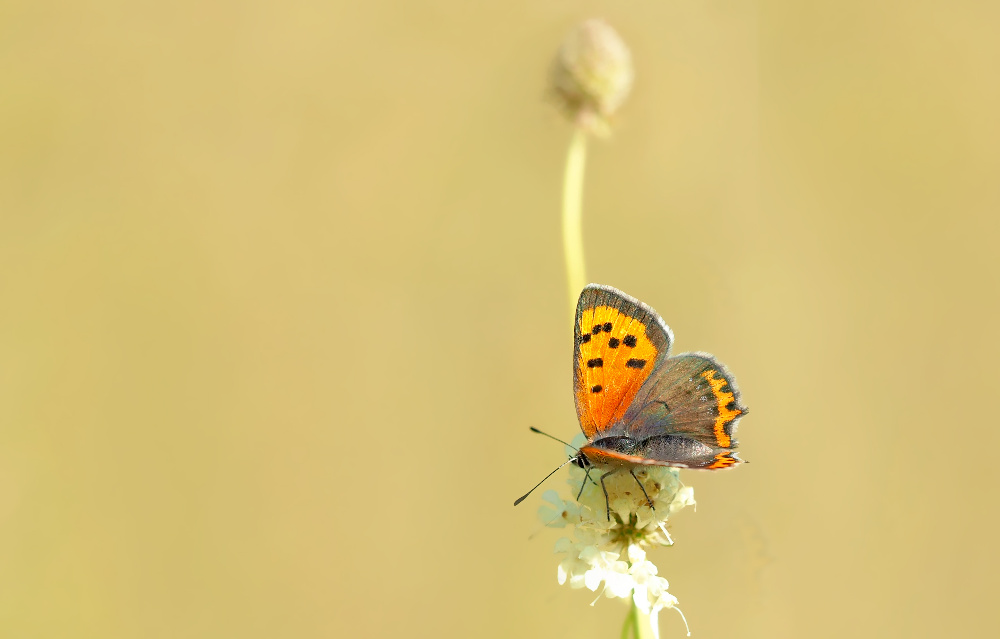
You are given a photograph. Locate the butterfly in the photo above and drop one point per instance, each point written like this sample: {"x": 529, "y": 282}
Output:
{"x": 637, "y": 404}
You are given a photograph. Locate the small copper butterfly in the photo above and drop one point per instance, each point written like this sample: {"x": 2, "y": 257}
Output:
{"x": 637, "y": 405}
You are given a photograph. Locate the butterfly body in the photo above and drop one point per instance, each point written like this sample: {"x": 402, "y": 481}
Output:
{"x": 655, "y": 451}
{"x": 639, "y": 406}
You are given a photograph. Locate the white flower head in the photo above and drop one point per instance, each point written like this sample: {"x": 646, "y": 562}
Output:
{"x": 609, "y": 537}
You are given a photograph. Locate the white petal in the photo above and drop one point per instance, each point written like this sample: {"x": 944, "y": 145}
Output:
{"x": 641, "y": 598}
{"x": 593, "y": 578}
{"x": 553, "y": 498}
{"x": 563, "y": 544}
{"x": 636, "y": 554}
{"x": 654, "y": 623}
{"x": 619, "y": 584}
{"x": 552, "y": 518}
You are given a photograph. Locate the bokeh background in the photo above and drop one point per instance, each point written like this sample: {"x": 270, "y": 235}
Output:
{"x": 281, "y": 290}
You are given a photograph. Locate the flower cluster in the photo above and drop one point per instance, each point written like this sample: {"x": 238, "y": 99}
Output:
{"x": 609, "y": 547}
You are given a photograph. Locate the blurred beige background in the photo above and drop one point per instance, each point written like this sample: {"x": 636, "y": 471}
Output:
{"x": 281, "y": 291}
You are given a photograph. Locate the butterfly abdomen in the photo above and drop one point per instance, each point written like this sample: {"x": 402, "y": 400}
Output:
{"x": 678, "y": 449}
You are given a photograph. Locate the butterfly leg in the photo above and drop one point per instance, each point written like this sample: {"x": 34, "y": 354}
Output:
{"x": 642, "y": 488}
{"x": 583, "y": 484}
{"x": 607, "y": 502}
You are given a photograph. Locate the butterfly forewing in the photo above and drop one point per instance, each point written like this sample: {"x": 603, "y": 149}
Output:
{"x": 619, "y": 341}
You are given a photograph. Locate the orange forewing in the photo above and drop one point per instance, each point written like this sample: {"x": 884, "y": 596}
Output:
{"x": 611, "y": 365}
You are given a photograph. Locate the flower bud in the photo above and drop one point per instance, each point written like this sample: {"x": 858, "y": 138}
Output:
{"x": 592, "y": 75}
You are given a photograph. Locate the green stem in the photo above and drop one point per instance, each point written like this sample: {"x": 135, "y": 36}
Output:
{"x": 643, "y": 628}
{"x": 629, "y": 627}
{"x": 572, "y": 216}
{"x": 637, "y": 625}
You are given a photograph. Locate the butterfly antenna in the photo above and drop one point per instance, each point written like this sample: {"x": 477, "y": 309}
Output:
{"x": 543, "y": 481}
{"x": 535, "y": 430}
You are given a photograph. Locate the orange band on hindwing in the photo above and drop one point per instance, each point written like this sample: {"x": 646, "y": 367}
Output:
{"x": 723, "y": 400}
{"x": 723, "y": 460}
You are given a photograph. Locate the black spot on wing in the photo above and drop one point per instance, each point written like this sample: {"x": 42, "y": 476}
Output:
{"x": 597, "y": 362}
{"x": 635, "y": 363}
{"x": 629, "y": 341}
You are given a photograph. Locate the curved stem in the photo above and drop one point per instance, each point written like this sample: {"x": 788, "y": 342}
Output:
{"x": 572, "y": 216}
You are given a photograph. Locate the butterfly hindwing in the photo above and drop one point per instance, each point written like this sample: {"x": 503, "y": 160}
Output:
{"x": 618, "y": 343}
{"x": 689, "y": 396}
